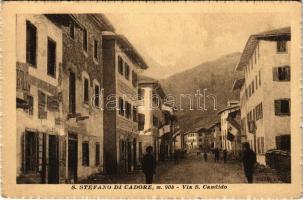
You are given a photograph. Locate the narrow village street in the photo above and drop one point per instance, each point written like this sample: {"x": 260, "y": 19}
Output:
{"x": 193, "y": 170}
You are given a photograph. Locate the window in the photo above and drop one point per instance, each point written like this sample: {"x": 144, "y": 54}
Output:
{"x": 120, "y": 65}
{"x": 51, "y": 57}
{"x": 140, "y": 94}
{"x": 31, "y": 144}
{"x": 252, "y": 87}
{"x": 134, "y": 79}
{"x": 97, "y": 96}
{"x": 96, "y": 49}
{"x": 259, "y": 77}
{"x": 72, "y": 92}
{"x": 97, "y": 159}
{"x": 42, "y": 113}
{"x": 155, "y": 121}
{"x": 249, "y": 90}
{"x": 86, "y": 91}
{"x": 282, "y": 107}
{"x": 283, "y": 142}
{"x": 246, "y": 93}
{"x": 84, "y": 39}
{"x": 31, "y": 44}
{"x": 72, "y": 30}
{"x": 127, "y": 110}
{"x": 281, "y": 46}
{"x": 135, "y": 114}
{"x": 141, "y": 121}
{"x": 256, "y": 82}
{"x": 121, "y": 106}
{"x": 261, "y": 111}
{"x": 281, "y": 73}
{"x": 126, "y": 71}
{"x": 85, "y": 154}
{"x": 30, "y": 101}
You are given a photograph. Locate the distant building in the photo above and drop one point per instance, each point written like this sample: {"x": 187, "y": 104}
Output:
{"x": 215, "y": 130}
{"x": 166, "y": 132}
{"x": 123, "y": 63}
{"x": 227, "y": 136}
{"x": 192, "y": 140}
{"x": 265, "y": 91}
{"x": 179, "y": 140}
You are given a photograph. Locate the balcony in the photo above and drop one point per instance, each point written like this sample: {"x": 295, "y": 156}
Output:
{"x": 22, "y": 82}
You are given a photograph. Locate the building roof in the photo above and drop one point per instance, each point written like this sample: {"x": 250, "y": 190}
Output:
{"x": 252, "y": 42}
{"x": 238, "y": 83}
{"x": 214, "y": 125}
{"x": 229, "y": 108}
{"x": 145, "y": 80}
{"x": 126, "y": 47}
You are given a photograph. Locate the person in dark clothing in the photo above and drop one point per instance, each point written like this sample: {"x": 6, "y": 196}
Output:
{"x": 249, "y": 161}
{"x": 217, "y": 155}
{"x": 149, "y": 165}
{"x": 205, "y": 156}
{"x": 224, "y": 155}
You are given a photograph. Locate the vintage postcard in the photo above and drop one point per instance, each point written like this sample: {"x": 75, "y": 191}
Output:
{"x": 151, "y": 100}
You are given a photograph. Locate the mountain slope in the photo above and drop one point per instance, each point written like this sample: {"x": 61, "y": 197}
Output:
{"x": 215, "y": 77}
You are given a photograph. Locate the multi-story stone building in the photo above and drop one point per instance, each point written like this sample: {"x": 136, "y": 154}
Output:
{"x": 80, "y": 84}
{"x": 227, "y": 136}
{"x": 215, "y": 130}
{"x": 39, "y": 58}
{"x": 192, "y": 140}
{"x": 123, "y": 63}
{"x": 151, "y": 118}
{"x": 166, "y": 132}
{"x": 265, "y": 91}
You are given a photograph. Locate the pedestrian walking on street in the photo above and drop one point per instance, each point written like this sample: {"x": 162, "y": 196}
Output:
{"x": 149, "y": 165}
{"x": 217, "y": 155}
{"x": 224, "y": 155}
{"x": 249, "y": 161}
{"x": 205, "y": 156}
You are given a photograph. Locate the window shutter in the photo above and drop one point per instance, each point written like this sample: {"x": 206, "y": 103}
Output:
{"x": 275, "y": 73}
{"x": 277, "y": 107}
{"x": 287, "y": 71}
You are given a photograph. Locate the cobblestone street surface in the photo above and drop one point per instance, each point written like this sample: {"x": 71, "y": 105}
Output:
{"x": 192, "y": 170}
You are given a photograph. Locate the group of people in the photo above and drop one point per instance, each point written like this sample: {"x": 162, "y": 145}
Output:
{"x": 248, "y": 159}
{"x": 216, "y": 153}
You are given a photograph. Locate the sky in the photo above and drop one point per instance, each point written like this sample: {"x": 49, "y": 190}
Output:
{"x": 172, "y": 43}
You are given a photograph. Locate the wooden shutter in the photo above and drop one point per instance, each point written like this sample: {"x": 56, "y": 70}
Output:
{"x": 277, "y": 107}
{"x": 287, "y": 73}
{"x": 275, "y": 73}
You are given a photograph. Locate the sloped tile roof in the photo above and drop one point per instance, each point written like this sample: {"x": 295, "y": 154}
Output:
{"x": 253, "y": 40}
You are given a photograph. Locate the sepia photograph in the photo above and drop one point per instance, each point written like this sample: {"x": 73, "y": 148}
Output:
{"x": 163, "y": 98}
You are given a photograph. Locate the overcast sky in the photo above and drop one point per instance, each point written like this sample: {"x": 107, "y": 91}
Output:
{"x": 171, "y": 43}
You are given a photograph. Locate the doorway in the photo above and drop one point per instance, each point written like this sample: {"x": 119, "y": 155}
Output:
{"x": 72, "y": 157}
{"x": 53, "y": 156}
{"x": 135, "y": 153}
{"x": 129, "y": 156}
